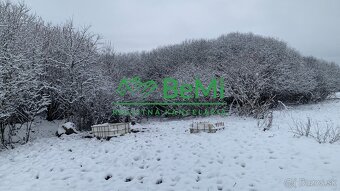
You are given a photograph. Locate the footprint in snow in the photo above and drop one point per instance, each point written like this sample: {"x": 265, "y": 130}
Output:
{"x": 128, "y": 179}
{"x": 140, "y": 179}
{"x": 107, "y": 177}
{"x": 136, "y": 158}
{"x": 159, "y": 181}
{"x": 198, "y": 179}
{"x": 243, "y": 165}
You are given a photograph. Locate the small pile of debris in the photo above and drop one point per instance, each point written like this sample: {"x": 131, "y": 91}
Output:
{"x": 67, "y": 129}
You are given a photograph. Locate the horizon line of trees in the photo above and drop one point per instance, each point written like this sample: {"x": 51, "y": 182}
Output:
{"x": 60, "y": 72}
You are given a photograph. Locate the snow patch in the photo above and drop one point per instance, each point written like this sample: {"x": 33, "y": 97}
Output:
{"x": 167, "y": 157}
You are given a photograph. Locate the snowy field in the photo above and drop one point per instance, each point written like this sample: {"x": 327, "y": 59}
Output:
{"x": 168, "y": 157}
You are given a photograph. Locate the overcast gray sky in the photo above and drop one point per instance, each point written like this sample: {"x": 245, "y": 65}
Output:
{"x": 310, "y": 26}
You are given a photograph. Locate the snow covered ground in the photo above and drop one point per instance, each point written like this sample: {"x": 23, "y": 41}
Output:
{"x": 168, "y": 157}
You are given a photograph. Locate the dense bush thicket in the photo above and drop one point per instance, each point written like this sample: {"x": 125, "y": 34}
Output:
{"x": 62, "y": 72}
{"x": 257, "y": 71}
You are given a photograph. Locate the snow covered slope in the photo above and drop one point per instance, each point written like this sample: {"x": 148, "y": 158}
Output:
{"x": 167, "y": 157}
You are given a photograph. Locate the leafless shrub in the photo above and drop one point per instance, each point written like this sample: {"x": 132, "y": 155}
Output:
{"x": 326, "y": 133}
{"x": 300, "y": 128}
{"x": 334, "y": 135}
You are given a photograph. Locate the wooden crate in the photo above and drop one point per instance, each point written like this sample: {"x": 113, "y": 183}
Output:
{"x": 198, "y": 127}
{"x": 108, "y": 130}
